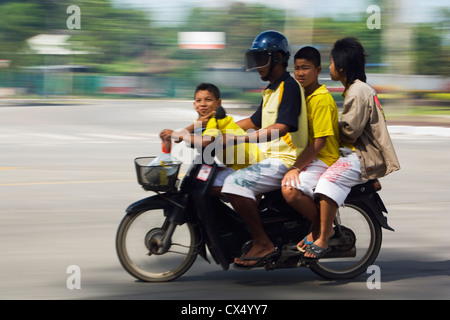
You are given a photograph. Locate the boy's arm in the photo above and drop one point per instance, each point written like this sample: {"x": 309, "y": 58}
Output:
{"x": 184, "y": 135}
{"x": 309, "y": 153}
{"x": 246, "y": 124}
{"x": 302, "y": 161}
{"x": 272, "y": 132}
{"x": 191, "y": 127}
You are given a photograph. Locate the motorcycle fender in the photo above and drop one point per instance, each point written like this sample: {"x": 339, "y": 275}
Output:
{"x": 153, "y": 202}
{"x": 158, "y": 202}
{"x": 376, "y": 206}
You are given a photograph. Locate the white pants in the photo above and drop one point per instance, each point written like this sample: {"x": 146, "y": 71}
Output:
{"x": 339, "y": 178}
{"x": 256, "y": 179}
{"x": 310, "y": 176}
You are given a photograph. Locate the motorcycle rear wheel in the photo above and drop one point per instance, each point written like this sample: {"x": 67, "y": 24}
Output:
{"x": 138, "y": 246}
{"x": 368, "y": 234}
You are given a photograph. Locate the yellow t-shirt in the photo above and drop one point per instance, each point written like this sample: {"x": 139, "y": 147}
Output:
{"x": 323, "y": 122}
{"x": 238, "y": 156}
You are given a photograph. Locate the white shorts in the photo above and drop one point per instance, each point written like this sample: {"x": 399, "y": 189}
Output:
{"x": 310, "y": 175}
{"x": 256, "y": 179}
{"x": 340, "y": 177}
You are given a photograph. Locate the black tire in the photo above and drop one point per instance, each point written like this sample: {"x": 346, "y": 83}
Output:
{"x": 368, "y": 234}
{"x": 137, "y": 241}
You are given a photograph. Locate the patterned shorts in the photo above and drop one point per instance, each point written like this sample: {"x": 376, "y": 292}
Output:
{"x": 256, "y": 179}
{"x": 310, "y": 175}
{"x": 339, "y": 178}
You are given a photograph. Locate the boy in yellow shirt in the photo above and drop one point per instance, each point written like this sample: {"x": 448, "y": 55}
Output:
{"x": 299, "y": 183}
{"x": 207, "y": 102}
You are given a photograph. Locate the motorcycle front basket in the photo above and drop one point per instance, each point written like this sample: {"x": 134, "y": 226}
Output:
{"x": 156, "y": 177}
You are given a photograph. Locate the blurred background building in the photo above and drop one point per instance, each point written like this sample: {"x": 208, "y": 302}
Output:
{"x": 153, "y": 49}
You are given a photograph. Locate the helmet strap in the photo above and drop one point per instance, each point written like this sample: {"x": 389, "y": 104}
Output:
{"x": 272, "y": 66}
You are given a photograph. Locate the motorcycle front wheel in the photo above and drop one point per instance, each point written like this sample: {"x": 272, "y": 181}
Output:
{"x": 366, "y": 233}
{"x": 139, "y": 246}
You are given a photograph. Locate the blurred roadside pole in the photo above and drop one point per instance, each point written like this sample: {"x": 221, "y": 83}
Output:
{"x": 397, "y": 38}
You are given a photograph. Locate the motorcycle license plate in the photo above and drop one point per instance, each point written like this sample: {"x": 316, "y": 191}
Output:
{"x": 204, "y": 172}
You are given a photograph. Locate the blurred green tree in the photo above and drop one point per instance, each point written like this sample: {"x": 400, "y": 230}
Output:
{"x": 125, "y": 40}
{"x": 431, "y": 53}
{"x": 18, "y": 22}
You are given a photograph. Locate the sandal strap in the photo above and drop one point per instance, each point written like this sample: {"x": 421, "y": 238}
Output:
{"x": 316, "y": 250}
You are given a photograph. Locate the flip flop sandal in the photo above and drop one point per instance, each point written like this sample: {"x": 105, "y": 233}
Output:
{"x": 305, "y": 241}
{"x": 316, "y": 250}
{"x": 260, "y": 261}
{"x": 308, "y": 243}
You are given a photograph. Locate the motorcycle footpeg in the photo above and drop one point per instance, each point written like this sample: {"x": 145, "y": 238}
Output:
{"x": 270, "y": 266}
{"x": 288, "y": 252}
{"x": 308, "y": 264}
{"x": 271, "y": 263}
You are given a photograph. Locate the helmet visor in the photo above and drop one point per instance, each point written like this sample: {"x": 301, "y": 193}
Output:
{"x": 257, "y": 59}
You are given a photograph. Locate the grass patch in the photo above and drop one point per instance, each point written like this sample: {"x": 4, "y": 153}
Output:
{"x": 429, "y": 110}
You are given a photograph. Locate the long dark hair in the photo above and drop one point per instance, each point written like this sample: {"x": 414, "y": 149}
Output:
{"x": 349, "y": 54}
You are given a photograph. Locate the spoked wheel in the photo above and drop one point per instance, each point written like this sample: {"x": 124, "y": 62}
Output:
{"x": 357, "y": 248}
{"x": 145, "y": 255}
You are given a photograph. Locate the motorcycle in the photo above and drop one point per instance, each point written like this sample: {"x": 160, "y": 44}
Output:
{"x": 161, "y": 236}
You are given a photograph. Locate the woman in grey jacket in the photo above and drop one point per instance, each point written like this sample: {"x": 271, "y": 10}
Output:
{"x": 366, "y": 147}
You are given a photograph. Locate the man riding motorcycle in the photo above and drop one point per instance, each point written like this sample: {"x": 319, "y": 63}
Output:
{"x": 282, "y": 131}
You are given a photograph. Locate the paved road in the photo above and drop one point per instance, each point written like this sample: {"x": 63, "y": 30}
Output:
{"x": 67, "y": 175}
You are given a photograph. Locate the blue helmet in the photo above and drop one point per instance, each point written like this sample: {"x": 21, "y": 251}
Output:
{"x": 265, "y": 49}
